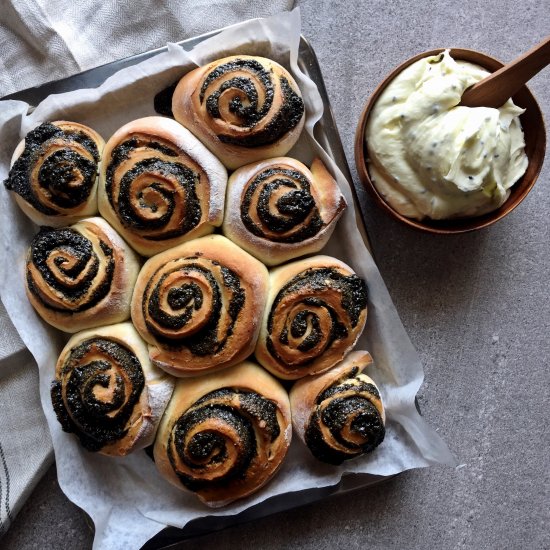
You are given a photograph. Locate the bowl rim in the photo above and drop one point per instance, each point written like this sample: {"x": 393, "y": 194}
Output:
{"x": 456, "y": 225}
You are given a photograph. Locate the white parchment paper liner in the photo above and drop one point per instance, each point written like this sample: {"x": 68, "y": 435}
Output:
{"x": 127, "y": 499}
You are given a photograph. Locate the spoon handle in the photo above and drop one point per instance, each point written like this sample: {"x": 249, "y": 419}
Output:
{"x": 494, "y": 90}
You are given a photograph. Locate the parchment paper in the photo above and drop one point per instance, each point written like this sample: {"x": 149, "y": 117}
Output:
{"x": 127, "y": 499}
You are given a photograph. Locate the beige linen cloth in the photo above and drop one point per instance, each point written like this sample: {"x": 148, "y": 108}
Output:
{"x": 44, "y": 40}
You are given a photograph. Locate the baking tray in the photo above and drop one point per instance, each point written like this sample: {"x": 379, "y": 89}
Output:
{"x": 327, "y": 135}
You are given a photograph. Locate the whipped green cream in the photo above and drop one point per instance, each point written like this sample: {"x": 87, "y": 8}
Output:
{"x": 428, "y": 157}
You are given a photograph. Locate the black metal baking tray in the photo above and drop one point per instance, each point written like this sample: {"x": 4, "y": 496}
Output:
{"x": 327, "y": 135}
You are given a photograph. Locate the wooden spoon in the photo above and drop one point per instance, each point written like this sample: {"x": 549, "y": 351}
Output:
{"x": 495, "y": 89}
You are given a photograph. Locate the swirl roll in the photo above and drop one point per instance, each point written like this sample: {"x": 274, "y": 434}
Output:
{"x": 54, "y": 173}
{"x": 199, "y": 305}
{"x": 80, "y": 276}
{"x": 315, "y": 312}
{"x": 243, "y": 108}
{"x": 107, "y": 392}
{"x": 339, "y": 414}
{"x": 159, "y": 185}
{"x": 224, "y": 435}
{"x": 278, "y": 209}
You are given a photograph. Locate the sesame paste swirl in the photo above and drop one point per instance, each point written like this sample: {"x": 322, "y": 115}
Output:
{"x": 156, "y": 190}
{"x": 257, "y": 105}
{"x": 68, "y": 271}
{"x": 345, "y": 422}
{"x": 193, "y": 303}
{"x": 222, "y": 437}
{"x": 278, "y": 206}
{"x": 316, "y": 311}
{"x": 96, "y": 391}
{"x": 57, "y": 170}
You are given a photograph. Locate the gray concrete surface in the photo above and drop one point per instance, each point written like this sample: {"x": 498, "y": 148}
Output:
{"x": 476, "y": 307}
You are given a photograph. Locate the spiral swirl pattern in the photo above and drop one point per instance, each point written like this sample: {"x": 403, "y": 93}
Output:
{"x": 347, "y": 420}
{"x": 278, "y": 205}
{"x": 57, "y": 170}
{"x": 96, "y": 390}
{"x": 248, "y": 103}
{"x": 68, "y": 271}
{"x": 192, "y": 303}
{"x": 198, "y": 305}
{"x": 226, "y": 437}
{"x": 314, "y": 319}
{"x": 156, "y": 190}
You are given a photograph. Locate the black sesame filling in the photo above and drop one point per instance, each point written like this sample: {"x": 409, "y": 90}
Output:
{"x": 364, "y": 420}
{"x": 347, "y": 402}
{"x": 292, "y": 208}
{"x": 74, "y": 248}
{"x": 129, "y": 205}
{"x": 187, "y": 298}
{"x": 307, "y": 287}
{"x": 95, "y": 421}
{"x": 250, "y": 112}
{"x": 66, "y": 176}
{"x": 206, "y": 449}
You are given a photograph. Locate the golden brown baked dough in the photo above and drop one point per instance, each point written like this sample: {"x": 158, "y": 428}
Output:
{"x": 107, "y": 392}
{"x": 277, "y": 209}
{"x": 339, "y": 414}
{"x": 81, "y": 276}
{"x": 53, "y": 173}
{"x": 225, "y": 434}
{"x": 199, "y": 305}
{"x": 159, "y": 186}
{"x": 315, "y": 312}
{"x": 243, "y": 108}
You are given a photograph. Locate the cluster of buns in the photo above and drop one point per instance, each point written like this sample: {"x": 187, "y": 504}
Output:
{"x": 204, "y": 307}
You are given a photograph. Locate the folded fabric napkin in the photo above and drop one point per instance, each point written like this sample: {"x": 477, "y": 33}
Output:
{"x": 44, "y": 40}
{"x": 25, "y": 444}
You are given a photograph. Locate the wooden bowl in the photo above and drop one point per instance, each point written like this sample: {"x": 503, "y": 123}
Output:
{"x": 535, "y": 147}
